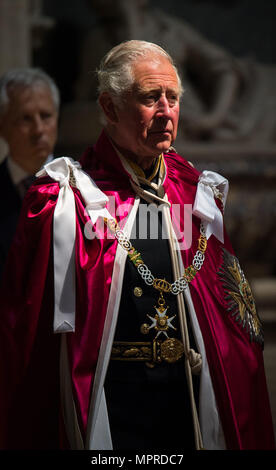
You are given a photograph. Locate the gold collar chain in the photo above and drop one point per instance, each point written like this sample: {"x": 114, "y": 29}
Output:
{"x": 161, "y": 322}
{"x": 161, "y": 284}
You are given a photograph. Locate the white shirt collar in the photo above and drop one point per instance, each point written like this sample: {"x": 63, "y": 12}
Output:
{"x": 17, "y": 173}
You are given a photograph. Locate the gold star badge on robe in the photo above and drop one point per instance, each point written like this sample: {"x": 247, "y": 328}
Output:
{"x": 239, "y": 297}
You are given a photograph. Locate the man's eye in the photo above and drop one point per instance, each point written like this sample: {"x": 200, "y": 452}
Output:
{"x": 150, "y": 99}
{"x": 26, "y": 118}
{"x": 173, "y": 99}
{"x": 45, "y": 116}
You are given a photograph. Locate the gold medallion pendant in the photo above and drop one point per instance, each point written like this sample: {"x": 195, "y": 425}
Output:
{"x": 160, "y": 322}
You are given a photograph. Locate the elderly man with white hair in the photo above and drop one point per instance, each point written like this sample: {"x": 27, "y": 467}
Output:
{"x": 132, "y": 326}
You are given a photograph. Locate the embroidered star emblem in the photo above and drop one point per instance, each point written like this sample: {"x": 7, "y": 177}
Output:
{"x": 239, "y": 297}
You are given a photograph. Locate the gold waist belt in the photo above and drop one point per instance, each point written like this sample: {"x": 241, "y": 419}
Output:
{"x": 153, "y": 352}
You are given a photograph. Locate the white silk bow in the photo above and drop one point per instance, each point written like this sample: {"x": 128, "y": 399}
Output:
{"x": 66, "y": 170}
{"x": 211, "y": 185}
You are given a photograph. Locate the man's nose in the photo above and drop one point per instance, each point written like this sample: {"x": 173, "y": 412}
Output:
{"x": 37, "y": 125}
{"x": 163, "y": 107}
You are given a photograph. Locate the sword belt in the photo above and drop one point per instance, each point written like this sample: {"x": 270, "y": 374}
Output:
{"x": 152, "y": 352}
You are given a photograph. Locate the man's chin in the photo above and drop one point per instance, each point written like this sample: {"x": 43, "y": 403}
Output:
{"x": 164, "y": 145}
{"x": 42, "y": 155}
{"x": 162, "y": 141}
{"x": 39, "y": 159}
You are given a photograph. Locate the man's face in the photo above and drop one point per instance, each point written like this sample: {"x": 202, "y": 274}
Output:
{"x": 147, "y": 123}
{"x": 30, "y": 125}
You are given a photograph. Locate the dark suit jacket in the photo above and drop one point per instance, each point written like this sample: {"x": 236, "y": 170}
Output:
{"x": 10, "y": 206}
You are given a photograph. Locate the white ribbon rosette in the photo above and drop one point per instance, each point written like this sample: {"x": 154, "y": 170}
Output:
{"x": 211, "y": 185}
{"x": 65, "y": 170}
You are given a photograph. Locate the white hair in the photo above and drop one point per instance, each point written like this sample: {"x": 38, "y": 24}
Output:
{"x": 25, "y": 77}
{"x": 115, "y": 71}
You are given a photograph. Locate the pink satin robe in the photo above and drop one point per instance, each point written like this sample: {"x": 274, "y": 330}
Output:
{"x": 29, "y": 346}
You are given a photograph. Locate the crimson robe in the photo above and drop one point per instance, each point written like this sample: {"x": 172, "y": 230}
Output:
{"x": 30, "y": 401}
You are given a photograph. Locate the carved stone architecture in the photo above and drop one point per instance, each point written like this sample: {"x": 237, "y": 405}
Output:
{"x": 226, "y": 99}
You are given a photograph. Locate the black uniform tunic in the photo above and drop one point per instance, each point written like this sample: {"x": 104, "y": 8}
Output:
{"x": 149, "y": 408}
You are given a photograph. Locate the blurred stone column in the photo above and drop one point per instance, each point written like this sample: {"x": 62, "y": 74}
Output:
{"x": 15, "y": 47}
{"x": 15, "y": 42}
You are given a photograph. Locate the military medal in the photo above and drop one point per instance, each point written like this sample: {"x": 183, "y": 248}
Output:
{"x": 160, "y": 322}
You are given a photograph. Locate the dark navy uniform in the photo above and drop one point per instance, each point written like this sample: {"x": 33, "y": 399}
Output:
{"x": 148, "y": 405}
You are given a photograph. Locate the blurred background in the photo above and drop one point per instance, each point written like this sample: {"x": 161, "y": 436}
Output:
{"x": 226, "y": 54}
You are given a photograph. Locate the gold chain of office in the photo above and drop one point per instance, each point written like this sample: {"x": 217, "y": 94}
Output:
{"x": 161, "y": 285}
{"x": 171, "y": 350}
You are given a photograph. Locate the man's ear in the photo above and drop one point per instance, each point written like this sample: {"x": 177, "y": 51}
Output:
{"x": 108, "y": 107}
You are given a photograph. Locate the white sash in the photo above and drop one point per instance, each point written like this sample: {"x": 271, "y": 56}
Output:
{"x": 68, "y": 172}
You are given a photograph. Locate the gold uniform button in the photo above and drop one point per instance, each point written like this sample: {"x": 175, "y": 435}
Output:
{"x": 137, "y": 291}
{"x": 144, "y": 329}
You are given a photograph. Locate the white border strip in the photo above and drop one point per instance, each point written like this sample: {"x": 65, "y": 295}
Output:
{"x": 212, "y": 433}
{"x": 98, "y": 431}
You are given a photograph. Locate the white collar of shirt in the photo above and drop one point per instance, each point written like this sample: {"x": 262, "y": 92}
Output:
{"x": 17, "y": 173}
